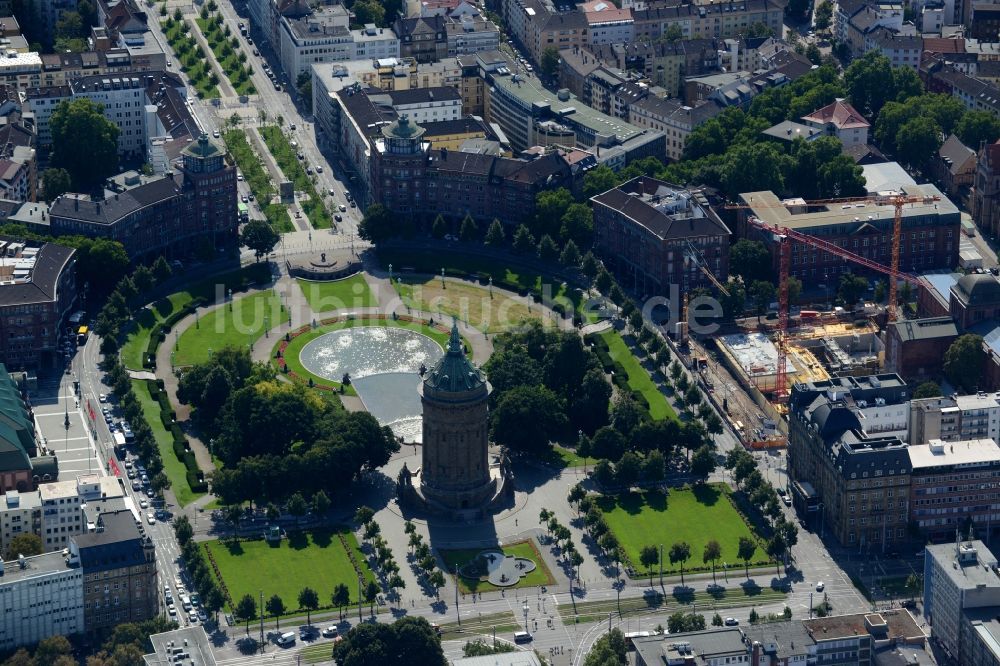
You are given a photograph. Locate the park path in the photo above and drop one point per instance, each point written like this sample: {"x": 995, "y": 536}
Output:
{"x": 165, "y": 371}
{"x": 225, "y": 87}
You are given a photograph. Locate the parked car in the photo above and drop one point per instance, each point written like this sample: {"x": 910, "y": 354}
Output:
{"x": 330, "y": 631}
{"x": 338, "y": 217}
{"x": 732, "y": 622}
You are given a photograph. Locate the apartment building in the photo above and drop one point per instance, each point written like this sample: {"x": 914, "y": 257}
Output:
{"x": 930, "y": 237}
{"x": 118, "y": 563}
{"x": 611, "y": 26}
{"x": 151, "y": 215}
{"x": 958, "y": 578}
{"x": 902, "y": 50}
{"x": 417, "y": 182}
{"x": 644, "y": 230}
{"x": 955, "y": 166}
{"x": 529, "y": 115}
{"x": 20, "y": 513}
{"x": 976, "y": 94}
{"x": 422, "y": 105}
{"x": 985, "y": 198}
{"x": 21, "y": 70}
{"x": 423, "y": 38}
{"x": 37, "y": 291}
{"x": 63, "y": 504}
{"x": 955, "y": 418}
{"x": 323, "y": 35}
{"x": 859, "y": 483}
{"x": 144, "y": 108}
{"x": 672, "y": 117}
{"x": 560, "y": 30}
{"x": 59, "y": 69}
{"x": 984, "y": 23}
{"x": 915, "y": 348}
{"x": 841, "y": 120}
{"x": 665, "y": 64}
{"x": 854, "y": 20}
{"x": 61, "y": 514}
{"x": 40, "y": 597}
{"x": 468, "y": 34}
{"x": 955, "y": 485}
{"x": 716, "y": 20}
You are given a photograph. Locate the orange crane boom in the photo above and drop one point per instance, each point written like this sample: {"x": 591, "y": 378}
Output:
{"x": 784, "y": 234}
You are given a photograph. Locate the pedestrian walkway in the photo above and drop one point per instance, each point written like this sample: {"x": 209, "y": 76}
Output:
{"x": 140, "y": 374}
{"x": 225, "y": 87}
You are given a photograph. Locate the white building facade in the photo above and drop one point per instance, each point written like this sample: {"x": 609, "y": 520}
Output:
{"x": 40, "y": 597}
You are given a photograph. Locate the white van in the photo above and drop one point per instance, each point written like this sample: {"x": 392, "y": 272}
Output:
{"x": 522, "y": 637}
{"x": 186, "y": 602}
{"x": 287, "y": 638}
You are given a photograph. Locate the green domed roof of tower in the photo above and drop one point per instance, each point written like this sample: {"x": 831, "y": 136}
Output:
{"x": 202, "y": 147}
{"x": 453, "y": 372}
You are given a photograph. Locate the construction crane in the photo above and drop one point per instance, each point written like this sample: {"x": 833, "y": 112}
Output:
{"x": 695, "y": 255}
{"x": 784, "y": 235}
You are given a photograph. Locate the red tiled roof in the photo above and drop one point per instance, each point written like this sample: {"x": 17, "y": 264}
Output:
{"x": 609, "y": 15}
{"x": 840, "y": 113}
{"x": 942, "y": 45}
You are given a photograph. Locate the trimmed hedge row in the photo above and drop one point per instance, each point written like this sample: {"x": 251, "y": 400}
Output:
{"x": 619, "y": 377}
{"x": 180, "y": 444}
{"x": 157, "y": 337}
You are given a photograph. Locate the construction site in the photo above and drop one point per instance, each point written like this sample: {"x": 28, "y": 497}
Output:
{"x": 765, "y": 359}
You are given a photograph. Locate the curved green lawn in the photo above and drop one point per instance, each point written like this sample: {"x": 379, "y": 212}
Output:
{"x": 240, "y": 322}
{"x": 333, "y": 295}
